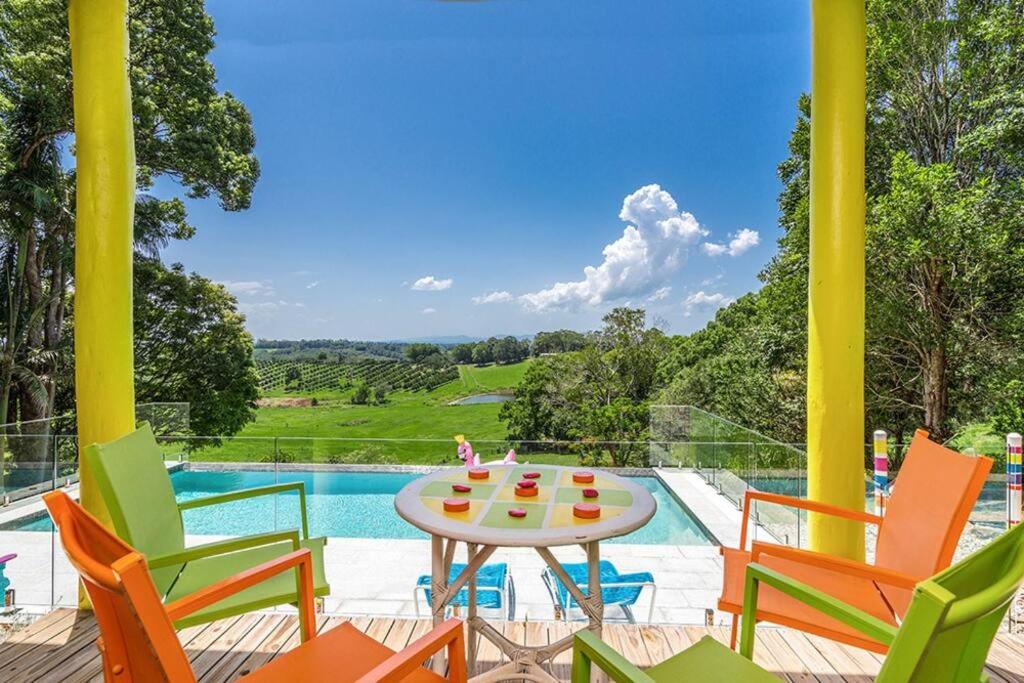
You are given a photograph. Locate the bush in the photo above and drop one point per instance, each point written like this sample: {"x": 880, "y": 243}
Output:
{"x": 380, "y": 394}
{"x": 361, "y": 395}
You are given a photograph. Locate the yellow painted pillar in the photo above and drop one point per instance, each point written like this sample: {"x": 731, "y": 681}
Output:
{"x": 835, "y": 344}
{"x": 105, "y": 154}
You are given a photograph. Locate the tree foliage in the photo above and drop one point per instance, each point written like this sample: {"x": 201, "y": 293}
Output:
{"x": 185, "y": 129}
{"x": 945, "y": 233}
{"x": 191, "y": 346}
{"x": 597, "y": 396}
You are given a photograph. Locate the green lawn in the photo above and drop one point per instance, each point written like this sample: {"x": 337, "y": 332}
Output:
{"x": 410, "y": 428}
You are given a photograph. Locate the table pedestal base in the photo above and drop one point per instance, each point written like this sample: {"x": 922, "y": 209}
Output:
{"x": 526, "y": 660}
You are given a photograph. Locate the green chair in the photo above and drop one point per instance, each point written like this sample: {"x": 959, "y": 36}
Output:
{"x": 137, "y": 491}
{"x": 945, "y": 636}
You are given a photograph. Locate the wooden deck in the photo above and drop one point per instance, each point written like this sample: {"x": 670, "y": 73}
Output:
{"x": 60, "y": 647}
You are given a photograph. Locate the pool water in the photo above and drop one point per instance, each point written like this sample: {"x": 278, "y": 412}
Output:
{"x": 359, "y": 505}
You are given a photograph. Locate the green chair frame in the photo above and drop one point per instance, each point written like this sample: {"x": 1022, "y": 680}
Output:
{"x": 945, "y": 638}
{"x": 137, "y": 491}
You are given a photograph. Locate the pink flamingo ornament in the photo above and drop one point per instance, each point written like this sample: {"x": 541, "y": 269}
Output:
{"x": 466, "y": 454}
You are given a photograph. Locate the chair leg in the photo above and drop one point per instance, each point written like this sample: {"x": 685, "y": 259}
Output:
{"x": 732, "y": 633}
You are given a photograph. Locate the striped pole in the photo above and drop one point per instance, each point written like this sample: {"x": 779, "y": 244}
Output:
{"x": 1013, "y": 479}
{"x": 881, "y": 448}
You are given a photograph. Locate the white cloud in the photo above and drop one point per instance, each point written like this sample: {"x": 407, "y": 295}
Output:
{"x": 428, "y": 311}
{"x": 742, "y": 241}
{"x": 651, "y": 248}
{"x": 429, "y": 283}
{"x": 492, "y": 298}
{"x": 703, "y": 300}
{"x": 311, "y": 285}
{"x": 659, "y": 294}
{"x": 249, "y": 287}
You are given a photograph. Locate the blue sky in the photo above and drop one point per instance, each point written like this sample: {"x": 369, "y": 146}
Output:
{"x": 434, "y": 168}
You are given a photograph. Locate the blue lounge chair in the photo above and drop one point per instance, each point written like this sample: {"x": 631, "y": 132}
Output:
{"x": 495, "y": 589}
{"x": 4, "y": 581}
{"x": 616, "y": 589}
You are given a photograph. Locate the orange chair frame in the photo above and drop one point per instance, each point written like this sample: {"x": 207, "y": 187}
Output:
{"x": 138, "y": 641}
{"x": 841, "y": 565}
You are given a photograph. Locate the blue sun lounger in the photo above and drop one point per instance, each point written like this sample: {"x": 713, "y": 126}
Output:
{"x": 616, "y": 589}
{"x": 494, "y": 589}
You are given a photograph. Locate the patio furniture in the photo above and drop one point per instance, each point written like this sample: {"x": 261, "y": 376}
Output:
{"x": 934, "y": 494}
{"x": 137, "y": 491}
{"x": 616, "y": 589}
{"x": 488, "y": 509}
{"x": 138, "y": 641}
{"x": 495, "y": 589}
{"x": 946, "y": 635}
{"x": 5, "y": 583}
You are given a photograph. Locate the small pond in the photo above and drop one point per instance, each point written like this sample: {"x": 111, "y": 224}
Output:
{"x": 482, "y": 398}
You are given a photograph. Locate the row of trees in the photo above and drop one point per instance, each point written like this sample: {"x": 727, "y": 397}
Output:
{"x": 500, "y": 350}
{"x": 945, "y": 250}
{"x": 191, "y": 344}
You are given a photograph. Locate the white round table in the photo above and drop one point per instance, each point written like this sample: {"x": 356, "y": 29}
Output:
{"x": 486, "y": 526}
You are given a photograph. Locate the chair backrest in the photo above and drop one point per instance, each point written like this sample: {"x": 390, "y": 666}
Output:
{"x": 137, "y": 638}
{"x": 933, "y": 496}
{"x": 137, "y": 491}
{"x": 954, "y": 616}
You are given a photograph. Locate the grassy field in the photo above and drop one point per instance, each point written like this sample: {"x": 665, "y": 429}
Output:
{"x": 410, "y": 428}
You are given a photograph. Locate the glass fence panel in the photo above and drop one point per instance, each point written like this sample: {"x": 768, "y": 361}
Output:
{"x": 350, "y": 484}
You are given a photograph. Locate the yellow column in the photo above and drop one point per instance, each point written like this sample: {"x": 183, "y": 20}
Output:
{"x": 835, "y": 344}
{"x": 105, "y": 153}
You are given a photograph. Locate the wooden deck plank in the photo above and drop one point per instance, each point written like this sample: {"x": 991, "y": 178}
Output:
{"x": 61, "y": 647}
{"x": 244, "y": 646}
{"x": 224, "y": 644}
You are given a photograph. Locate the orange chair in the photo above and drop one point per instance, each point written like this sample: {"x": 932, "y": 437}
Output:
{"x": 934, "y": 494}
{"x": 138, "y": 641}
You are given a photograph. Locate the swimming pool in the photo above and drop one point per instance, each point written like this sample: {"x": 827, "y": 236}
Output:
{"x": 359, "y": 505}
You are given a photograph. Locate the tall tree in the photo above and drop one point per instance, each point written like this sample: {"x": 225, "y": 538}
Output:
{"x": 191, "y": 346}
{"x": 184, "y": 129}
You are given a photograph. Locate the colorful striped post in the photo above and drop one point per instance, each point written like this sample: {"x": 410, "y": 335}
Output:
{"x": 1013, "y": 479}
{"x": 881, "y": 449}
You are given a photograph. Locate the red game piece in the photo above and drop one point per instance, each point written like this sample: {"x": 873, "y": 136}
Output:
{"x": 479, "y": 473}
{"x": 590, "y": 493}
{"x": 456, "y": 504}
{"x": 526, "y": 491}
{"x": 527, "y": 483}
{"x": 531, "y": 475}
{"x": 461, "y": 488}
{"x": 517, "y": 512}
{"x": 583, "y": 477}
{"x": 586, "y": 510}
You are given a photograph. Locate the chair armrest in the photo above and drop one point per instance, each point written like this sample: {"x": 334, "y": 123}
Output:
{"x": 587, "y": 648}
{"x": 634, "y": 578}
{"x": 253, "y": 493}
{"x": 229, "y": 545}
{"x": 803, "y": 504}
{"x": 399, "y": 665}
{"x": 889, "y": 577}
{"x": 812, "y": 597}
{"x": 299, "y": 560}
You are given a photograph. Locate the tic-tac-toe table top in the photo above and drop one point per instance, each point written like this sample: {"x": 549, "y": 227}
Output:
{"x": 549, "y": 519}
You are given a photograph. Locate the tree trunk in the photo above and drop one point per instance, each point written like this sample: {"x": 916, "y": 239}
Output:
{"x": 936, "y": 390}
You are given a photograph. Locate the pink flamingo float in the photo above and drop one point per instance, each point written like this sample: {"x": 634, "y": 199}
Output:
{"x": 472, "y": 459}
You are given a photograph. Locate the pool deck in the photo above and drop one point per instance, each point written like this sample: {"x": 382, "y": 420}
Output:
{"x": 61, "y": 647}
{"x": 376, "y": 577}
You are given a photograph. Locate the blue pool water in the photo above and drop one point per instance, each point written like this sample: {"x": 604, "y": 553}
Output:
{"x": 359, "y": 505}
